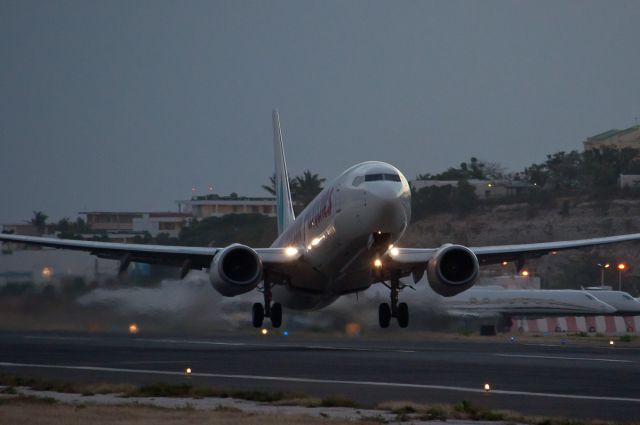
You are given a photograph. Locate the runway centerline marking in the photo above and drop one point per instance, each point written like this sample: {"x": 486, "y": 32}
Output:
{"x": 321, "y": 381}
{"x": 588, "y": 359}
{"x": 235, "y": 344}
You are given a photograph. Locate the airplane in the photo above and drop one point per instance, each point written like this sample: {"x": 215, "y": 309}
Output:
{"x": 499, "y": 305}
{"x": 343, "y": 242}
{"x": 494, "y": 302}
{"x": 622, "y": 301}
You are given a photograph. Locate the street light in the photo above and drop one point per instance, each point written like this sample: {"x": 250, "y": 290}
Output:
{"x": 602, "y": 267}
{"x": 621, "y": 267}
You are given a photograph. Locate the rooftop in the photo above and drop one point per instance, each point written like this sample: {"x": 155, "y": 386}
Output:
{"x": 614, "y": 132}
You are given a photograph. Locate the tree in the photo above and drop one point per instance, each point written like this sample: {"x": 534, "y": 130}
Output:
{"x": 306, "y": 187}
{"x": 271, "y": 187}
{"x": 39, "y": 221}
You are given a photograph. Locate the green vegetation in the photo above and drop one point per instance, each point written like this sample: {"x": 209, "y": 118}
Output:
{"x": 337, "y": 401}
{"x": 564, "y": 177}
{"x": 250, "y": 229}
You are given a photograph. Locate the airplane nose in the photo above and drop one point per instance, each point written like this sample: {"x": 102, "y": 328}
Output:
{"x": 385, "y": 191}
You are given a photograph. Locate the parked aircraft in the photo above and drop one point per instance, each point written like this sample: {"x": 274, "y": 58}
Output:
{"x": 622, "y": 301}
{"x": 343, "y": 242}
{"x": 498, "y": 302}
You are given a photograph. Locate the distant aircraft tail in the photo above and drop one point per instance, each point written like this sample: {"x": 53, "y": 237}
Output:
{"x": 284, "y": 205}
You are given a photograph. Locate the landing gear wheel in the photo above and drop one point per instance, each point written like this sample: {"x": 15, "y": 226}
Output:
{"x": 257, "y": 315}
{"x": 384, "y": 315}
{"x": 403, "y": 315}
{"x": 276, "y": 315}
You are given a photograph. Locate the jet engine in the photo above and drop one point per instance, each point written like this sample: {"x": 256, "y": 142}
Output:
{"x": 235, "y": 270}
{"x": 452, "y": 269}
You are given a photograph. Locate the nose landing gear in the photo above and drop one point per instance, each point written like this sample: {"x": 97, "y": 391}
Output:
{"x": 393, "y": 309}
{"x": 272, "y": 311}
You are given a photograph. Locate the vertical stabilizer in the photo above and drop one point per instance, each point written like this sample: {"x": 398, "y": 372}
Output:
{"x": 284, "y": 206}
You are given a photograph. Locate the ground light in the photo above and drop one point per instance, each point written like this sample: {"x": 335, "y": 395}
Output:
{"x": 486, "y": 388}
{"x": 187, "y": 371}
{"x": 133, "y": 329}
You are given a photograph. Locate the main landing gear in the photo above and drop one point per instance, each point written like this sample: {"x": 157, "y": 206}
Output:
{"x": 393, "y": 309}
{"x": 273, "y": 311}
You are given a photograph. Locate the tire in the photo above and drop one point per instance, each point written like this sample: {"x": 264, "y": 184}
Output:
{"x": 276, "y": 315}
{"x": 384, "y": 315}
{"x": 403, "y": 315}
{"x": 257, "y": 315}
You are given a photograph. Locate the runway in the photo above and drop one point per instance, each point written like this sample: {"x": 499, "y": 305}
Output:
{"x": 545, "y": 378}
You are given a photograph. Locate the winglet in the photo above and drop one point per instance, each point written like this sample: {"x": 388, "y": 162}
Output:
{"x": 284, "y": 206}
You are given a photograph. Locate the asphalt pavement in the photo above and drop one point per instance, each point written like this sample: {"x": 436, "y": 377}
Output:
{"x": 543, "y": 377}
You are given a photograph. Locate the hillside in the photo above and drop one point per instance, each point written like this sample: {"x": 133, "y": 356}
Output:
{"x": 520, "y": 223}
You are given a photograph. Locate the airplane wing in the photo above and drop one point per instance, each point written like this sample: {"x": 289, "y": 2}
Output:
{"x": 181, "y": 256}
{"x": 409, "y": 258}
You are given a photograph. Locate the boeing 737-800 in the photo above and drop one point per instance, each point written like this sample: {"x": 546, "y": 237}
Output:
{"x": 344, "y": 241}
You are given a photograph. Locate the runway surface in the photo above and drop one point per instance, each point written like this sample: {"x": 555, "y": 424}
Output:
{"x": 546, "y": 378}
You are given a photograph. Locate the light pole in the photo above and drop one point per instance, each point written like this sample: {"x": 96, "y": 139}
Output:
{"x": 602, "y": 267}
{"x": 621, "y": 268}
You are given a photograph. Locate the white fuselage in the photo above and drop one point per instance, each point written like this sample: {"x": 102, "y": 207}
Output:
{"x": 622, "y": 301}
{"x": 480, "y": 301}
{"x": 337, "y": 231}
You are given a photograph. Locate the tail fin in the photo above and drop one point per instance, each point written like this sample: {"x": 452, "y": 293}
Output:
{"x": 284, "y": 206}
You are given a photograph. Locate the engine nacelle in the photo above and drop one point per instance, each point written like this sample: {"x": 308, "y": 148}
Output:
{"x": 235, "y": 270}
{"x": 452, "y": 269}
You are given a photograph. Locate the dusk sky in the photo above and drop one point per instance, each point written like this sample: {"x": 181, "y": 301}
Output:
{"x": 125, "y": 106}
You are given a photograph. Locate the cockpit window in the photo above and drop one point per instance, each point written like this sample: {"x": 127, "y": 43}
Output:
{"x": 380, "y": 176}
{"x": 627, "y": 297}
{"x": 589, "y": 297}
{"x": 357, "y": 181}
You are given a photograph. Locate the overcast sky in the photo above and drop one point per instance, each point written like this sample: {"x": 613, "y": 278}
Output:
{"x": 121, "y": 105}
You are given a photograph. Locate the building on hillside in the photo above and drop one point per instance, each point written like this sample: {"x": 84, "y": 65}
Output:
{"x": 110, "y": 221}
{"x": 618, "y": 139}
{"x": 218, "y": 206}
{"x": 27, "y": 229}
{"x": 484, "y": 189}
{"x": 155, "y": 223}
{"x": 632, "y": 181}
{"x": 125, "y": 226}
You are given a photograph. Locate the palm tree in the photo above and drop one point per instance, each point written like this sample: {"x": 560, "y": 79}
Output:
{"x": 39, "y": 221}
{"x": 306, "y": 187}
{"x": 271, "y": 187}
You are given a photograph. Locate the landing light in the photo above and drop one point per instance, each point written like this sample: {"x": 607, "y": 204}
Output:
{"x": 486, "y": 388}
{"x": 291, "y": 251}
{"x": 377, "y": 263}
{"x": 133, "y": 329}
{"x": 187, "y": 371}
{"x": 264, "y": 331}
{"x": 315, "y": 241}
{"x": 524, "y": 273}
{"x": 505, "y": 263}
{"x": 611, "y": 343}
{"x": 394, "y": 251}
{"x": 622, "y": 266}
